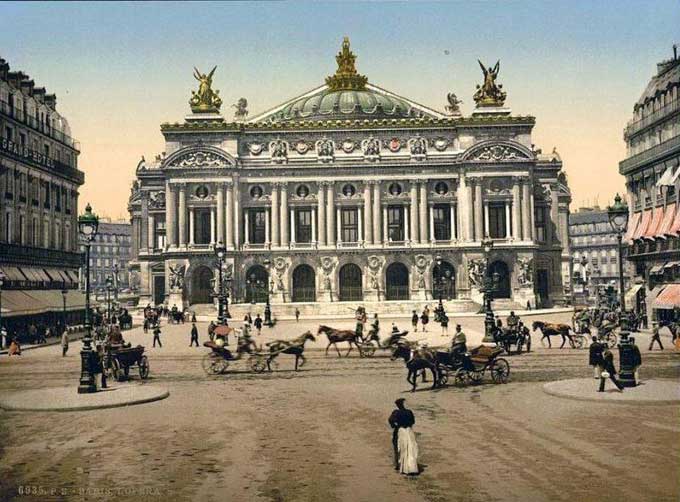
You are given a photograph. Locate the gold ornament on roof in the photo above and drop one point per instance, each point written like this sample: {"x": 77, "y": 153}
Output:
{"x": 346, "y": 77}
{"x": 205, "y": 100}
{"x": 490, "y": 93}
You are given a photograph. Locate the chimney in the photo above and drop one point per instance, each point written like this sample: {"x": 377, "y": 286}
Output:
{"x": 39, "y": 94}
{"x": 675, "y": 52}
{"x": 4, "y": 69}
{"x": 51, "y": 101}
{"x": 27, "y": 86}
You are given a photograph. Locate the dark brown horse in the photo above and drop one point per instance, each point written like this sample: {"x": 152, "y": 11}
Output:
{"x": 293, "y": 347}
{"x": 336, "y": 336}
{"x": 417, "y": 359}
{"x": 549, "y": 329}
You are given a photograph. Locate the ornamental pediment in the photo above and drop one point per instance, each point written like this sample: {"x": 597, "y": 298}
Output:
{"x": 497, "y": 152}
{"x": 200, "y": 158}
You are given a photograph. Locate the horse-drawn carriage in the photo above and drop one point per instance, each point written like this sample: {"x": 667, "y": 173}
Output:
{"x": 516, "y": 336}
{"x": 119, "y": 358}
{"x": 220, "y": 357}
{"x": 369, "y": 345}
{"x": 470, "y": 367}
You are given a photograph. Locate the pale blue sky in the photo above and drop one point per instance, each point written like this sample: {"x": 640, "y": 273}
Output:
{"x": 120, "y": 69}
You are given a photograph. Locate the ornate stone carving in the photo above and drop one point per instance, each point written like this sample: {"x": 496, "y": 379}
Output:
{"x": 280, "y": 263}
{"x": 440, "y": 144}
{"x": 278, "y": 149}
{"x": 497, "y": 153}
{"x": 525, "y": 276}
{"x": 476, "y": 272}
{"x": 157, "y": 200}
{"x": 418, "y": 147}
{"x": 394, "y": 144}
{"x": 302, "y": 147}
{"x": 241, "y": 112}
{"x": 371, "y": 148}
{"x": 490, "y": 93}
{"x": 325, "y": 149}
{"x": 177, "y": 277}
{"x": 205, "y": 100}
{"x": 199, "y": 159}
{"x": 421, "y": 280}
{"x": 255, "y": 148}
{"x": 453, "y": 107}
{"x": 346, "y": 77}
{"x": 421, "y": 261}
{"x": 348, "y": 145}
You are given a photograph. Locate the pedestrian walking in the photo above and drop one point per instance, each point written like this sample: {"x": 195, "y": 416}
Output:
{"x": 595, "y": 357}
{"x": 64, "y": 343}
{"x": 211, "y": 330}
{"x": 146, "y": 324}
{"x": 655, "y": 336}
{"x": 3, "y": 337}
{"x": 193, "y": 316}
{"x": 297, "y": 314}
{"x": 425, "y": 318}
{"x": 609, "y": 371}
{"x": 194, "y": 335}
{"x": 636, "y": 360}
{"x": 157, "y": 336}
{"x": 404, "y": 443}
{"x": 414, "y": 321}
{"x": 258, "y": 324}
{"x": 444, "y": 320}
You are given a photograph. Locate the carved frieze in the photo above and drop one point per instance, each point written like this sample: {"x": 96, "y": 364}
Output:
{"x": 278, "y": 150}
{"x": 199, "y": 159}
{"x": 498, "y": 153}
{"x": 157, "y": 200}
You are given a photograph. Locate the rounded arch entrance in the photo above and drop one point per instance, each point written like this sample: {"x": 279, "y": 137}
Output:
{"x": 396, "y": 282}
{"x": 304, "y": 284}
{"x": 444, "y": 281}
{"x": 350, "y": 281}
{"x": 257, "y": 284}
{"x": 503, "y": 289}
{"x": 201, "y": 285}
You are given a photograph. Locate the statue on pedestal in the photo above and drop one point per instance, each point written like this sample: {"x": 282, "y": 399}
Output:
{"x": 205, "y": 99}
{"x": 490, "y": 93}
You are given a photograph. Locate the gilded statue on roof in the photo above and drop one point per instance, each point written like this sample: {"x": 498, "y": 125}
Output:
{"x": 490, "y": 93}
{"x": 205, "y": 99}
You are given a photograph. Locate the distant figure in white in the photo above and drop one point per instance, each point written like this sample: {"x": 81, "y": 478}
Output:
{"x": 404, "y": 439}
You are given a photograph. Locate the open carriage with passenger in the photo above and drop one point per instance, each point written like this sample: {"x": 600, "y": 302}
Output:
{"x": 217, "y": 361}
{"x": 470, "y": 367}
{"x": 515, "y": 336}
{"x": 117, "y": 360}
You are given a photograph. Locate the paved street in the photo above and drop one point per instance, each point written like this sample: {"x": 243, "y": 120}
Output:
{"x": 322, "y": 434}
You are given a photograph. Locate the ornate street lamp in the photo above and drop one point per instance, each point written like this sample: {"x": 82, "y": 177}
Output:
{"x": 88, "y": 224}
{"x": 222, "y": 296}
{"x": 489, "y": 285}
{"x": 618, "y": 219}
{"x": 267, "y": 306}
{"x": 2, "y": 283}
{"x": 109, "y": 290}
{"x": 115, "y": 283}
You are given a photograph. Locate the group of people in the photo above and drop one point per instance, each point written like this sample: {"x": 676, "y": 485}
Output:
{"x": 601, "y": 359}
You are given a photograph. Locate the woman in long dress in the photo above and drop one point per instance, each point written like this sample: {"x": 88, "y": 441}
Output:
{"x": 408, "y": 451}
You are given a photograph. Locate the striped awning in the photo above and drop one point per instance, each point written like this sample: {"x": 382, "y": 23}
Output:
{"x": 632, "y": 226}
{"x": 667, "y": 223}
{"x": 630, "y": 294}
{"x": 675, "y": 228}
{"x": 645, "y": 220}
{"x": 657, "y": 218}
{"x": 668, "y": 298}
{"x": 12, "y": 273}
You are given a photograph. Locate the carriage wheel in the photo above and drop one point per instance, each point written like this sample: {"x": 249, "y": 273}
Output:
{"x": 611, "y": 339}
{"x": 144, "y": 368}
{"x": 461, "y": 377}
{"x": 443, "y": 376}
{"x": 367, "y": 350}
{"x": 115, "y": 370}
{"x": 475, "y": 376}
{"x": 500, "y": 371}
{"x": 126, "y": 371}
{"x": 579, "y": 341}
{"x": 214, "y": 364}
{"x": 258, "y": 364}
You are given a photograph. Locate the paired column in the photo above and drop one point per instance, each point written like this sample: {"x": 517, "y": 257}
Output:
{"x": 330, "y": 214}
{"x": 552, "y": 225}
{"x": 452, "y": 222}
{"x": 237, "y": 214}
{"x": 284, "y": 214}
{"x": 480, "y": 213}
{"x": 151, "y": 233}
{"x": 313, "y": 225}
{"x": 486, "y": 219}
{"x": 377, "y": 215}
{"x": 423, "y": 212}
{"x": 463, "y": 206}
{"x": 368, "y": 214}
{"x": 515, "y": 209}
{"x": 170, "y": 215}
{"x": 192, "y": 222}
{"x": 229, "y": 242}
{"x": 220, "y": 213}
{"x": 322, "y": 214}
{"x": 292, "y": 225}
{"x": 338, "y": 226}
{"x": 212, "y": 226}
{"x": 182, "y": 217}
{"x": 414, "y": 236}
{"x": 431, "y": 211}
{"x": 507, "y": 219}
{"x": 275, "y": 235}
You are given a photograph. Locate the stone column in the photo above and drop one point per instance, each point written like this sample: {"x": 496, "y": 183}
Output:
{"x": 406, "y": 229}
{"x": 515, "y": 209}
{"x": 463, "y": 206}
{"x": 368, "y": 215}
{"x": 414, "y": 236}
{"x": 229, "y": 217}
{"x": 485, "y": 231}
{"x": 220, "y": 213}
{"x": 553, "y": 225}
{"x": 192, "y": 223}
{"x": 246, "y": 228}
{"x": 377, "y": 214}
{"x": 532, "y": 211}
{"x": 275, "y": 219}
{"x": 170, "y": 215}
{"x": 330, "y": 214}
{"x": 212, "y": 226}
{"x": 526, "y": 210}
{"x": 507, "y": 219}
{"x": 468, "y": 223}
{"x": 284, "y": 215}
{"x": 292, "y": 225}
{"x": 431, "y": 211}
{"x": 237, "y": 214}
{"x": 313, "y": 226}
{"x": 480, "y": 213}
{"x": 321, "y": 220}
{"x": 267, "y": 228}
{"x": 360, "y": 224}
{"x": 452, "y": 222}
{"x": 182, "y": 215}
{"x": 338, "y": 226}
{"x": 151, "y": 233}
{"x": 422, "y": 210}
{"x": 386, "y": 237}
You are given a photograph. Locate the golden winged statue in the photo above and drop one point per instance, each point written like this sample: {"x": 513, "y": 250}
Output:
{"x": 490, "y": 93}
{"x": 205, "y": 99}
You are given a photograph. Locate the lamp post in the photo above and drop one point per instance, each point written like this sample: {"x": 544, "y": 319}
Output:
{"x": 109, "y": 290}
{"x": 88, "y": 224}
{"x": 64, "y": 292}
{"x": 618, "y": 219}
{"x": 267, "y": 306}
{"x": 488, "y": 287}
{"x": 2, "y": 283}
{"x": 115, "y": 283}
{"x": 222, "y": 315}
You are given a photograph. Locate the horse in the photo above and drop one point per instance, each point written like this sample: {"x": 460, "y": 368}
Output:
{"x": 417, "y": 359}
{"x": 293, "y": 347}
{"x": 549, "y": 329}
{"x": 336, "y": 336}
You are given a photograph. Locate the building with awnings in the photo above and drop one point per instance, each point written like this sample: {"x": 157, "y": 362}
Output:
{"x": 652, "y": 171}
{"x": 39, "y": 180}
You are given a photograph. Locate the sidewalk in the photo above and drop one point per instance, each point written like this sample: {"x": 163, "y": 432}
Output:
{"x": 658, "y": 392}
{"x": 53, "y": 340}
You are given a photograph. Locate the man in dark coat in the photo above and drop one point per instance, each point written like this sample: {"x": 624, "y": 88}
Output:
{"x": 595, "y": 357}
{"x": 608, "y": 366}
{"x": 194, "y": 335}
{"x": 157, "y": 336}
{"x": 258, "y": 324}
{"x": 655, "y": 336}
{"x": 401, "y": 417}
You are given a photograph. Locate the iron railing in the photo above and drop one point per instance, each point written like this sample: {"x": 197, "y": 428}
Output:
{"x": 664, "y": 112}
{"x": 42, "y": 127}
{"x": 397, "y": 293}
{"x": 351, "y": 294}
{"x": 304, "y": 294}
{"x": 649, "y": 155}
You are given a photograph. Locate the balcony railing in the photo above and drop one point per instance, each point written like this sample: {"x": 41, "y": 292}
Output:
{"x": 662, "y": 113}
{"x": 651, "y": 154}
{"x": 27, "y": 155}
{"x": 15, "y": 253}
{"x": 16, "y": 114}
